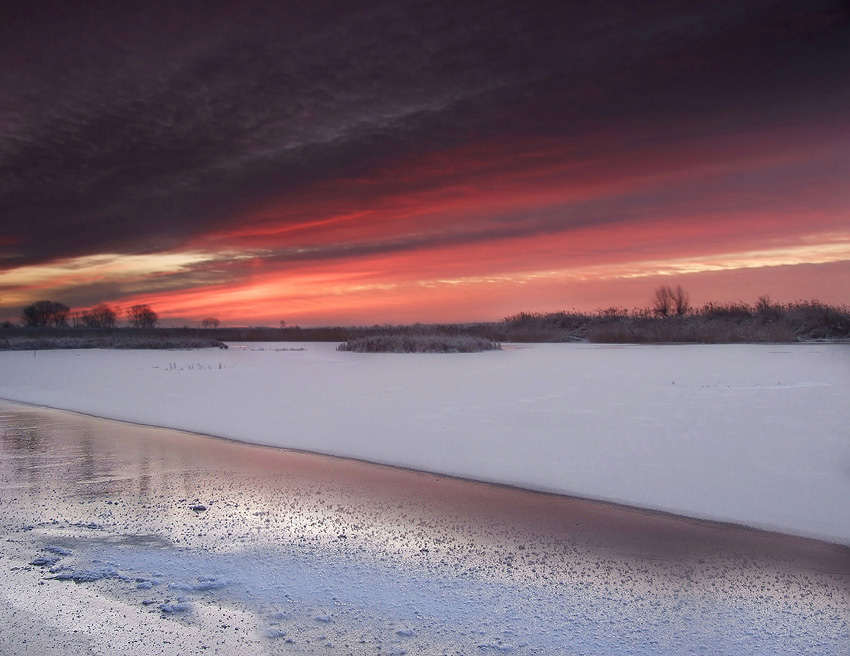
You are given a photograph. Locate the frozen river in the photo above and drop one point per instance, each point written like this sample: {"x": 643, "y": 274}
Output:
{"x": 125, "y": 539}
{"x": 749, "y": 434}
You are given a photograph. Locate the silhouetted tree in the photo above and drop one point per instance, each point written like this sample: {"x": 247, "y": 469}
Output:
{"x": 142, "y": 316}
{"x": 669, "y": 301}
{"x": 681, "y": 301}
{"x": 662, "y": 303}
{"x": 100, "y": 316}
{"x": 210, "y": 322}
{"x": 42, "y": 314}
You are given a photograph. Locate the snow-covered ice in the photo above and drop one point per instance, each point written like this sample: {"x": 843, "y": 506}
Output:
{"x": 750, "y": 434}
{"x": 121, "y": 539}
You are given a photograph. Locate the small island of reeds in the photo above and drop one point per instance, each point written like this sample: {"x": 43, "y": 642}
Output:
{"x": 423, "y": 342}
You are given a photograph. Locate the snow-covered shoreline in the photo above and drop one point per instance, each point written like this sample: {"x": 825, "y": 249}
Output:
{"x": 125, "y": 539}
{"x": 754, "y": 435}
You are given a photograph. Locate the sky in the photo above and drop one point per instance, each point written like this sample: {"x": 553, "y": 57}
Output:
{"x": 359, "y": 163}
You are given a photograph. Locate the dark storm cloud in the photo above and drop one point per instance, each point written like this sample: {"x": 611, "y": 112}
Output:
{"x": 132, "y": 131}
{"x": 717, "y": 196}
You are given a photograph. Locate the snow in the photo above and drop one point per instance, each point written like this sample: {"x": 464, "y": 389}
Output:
{"x": 103, "y": 551}
{"x": 749, "y": 434}
{"x": 415, "y": 607}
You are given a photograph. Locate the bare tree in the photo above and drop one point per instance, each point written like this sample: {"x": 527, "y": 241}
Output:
{"x": 210, "y": 322}
{"x": 681, "y": 301}
{"x": 662, "y": 303}
{"x": 668, "y": 301}
{"x": 42, "y": 314}
{"x": 142, "y": 316}
{"x": 100, "y": 316}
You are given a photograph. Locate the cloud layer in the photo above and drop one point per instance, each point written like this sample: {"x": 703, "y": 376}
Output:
{"x": 272, "y": 137}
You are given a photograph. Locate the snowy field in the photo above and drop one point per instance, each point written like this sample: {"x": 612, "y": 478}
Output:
{"x": 755, "y": 435}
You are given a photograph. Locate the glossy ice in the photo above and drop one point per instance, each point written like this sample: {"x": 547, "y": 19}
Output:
{"x": 120, "y": 538}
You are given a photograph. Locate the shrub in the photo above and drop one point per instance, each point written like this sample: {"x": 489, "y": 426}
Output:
{"x": 546, "y": 327}
{"x": 142, "y": 316}
{"x": 816, "y": 320}
{"x": 741, "y": 311}
{"x": 418, "y": 343}
{"x": 100, "y": 316}
{"x": 43, "y": 314}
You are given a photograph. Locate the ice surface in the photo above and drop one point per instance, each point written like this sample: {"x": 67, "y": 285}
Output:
{"x": 300, "y": 554}
{"x": 752, "y": 434}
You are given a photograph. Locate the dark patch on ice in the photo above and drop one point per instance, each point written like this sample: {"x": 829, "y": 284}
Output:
{"x": 208, "y": 583}
{"x": 496, "y": 647}
{"x": 45, "y": 561}
{"x": 272, "y": 632}
{"x": 141, "y": 540}
{"x": 56, "y": 554}
{"x": 89, "y": 525}
{"x": 198, "y": 507}
{"x": 204, "y": 584}
{"x": 89, "y": 575}
{"x": 179, "y": 606}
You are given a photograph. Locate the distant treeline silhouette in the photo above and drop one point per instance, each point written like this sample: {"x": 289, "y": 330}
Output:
{"x": 713, "y": 323}
{"x": 670, "y": 319}
{"x": 52, "y": 314}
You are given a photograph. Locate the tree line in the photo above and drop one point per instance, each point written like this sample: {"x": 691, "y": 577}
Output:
{"x": 671, "y": 318}
{"x": 52, "y": 314}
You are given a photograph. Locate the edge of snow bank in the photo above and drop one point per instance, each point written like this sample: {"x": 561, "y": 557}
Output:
{"x": 705, "y": 432}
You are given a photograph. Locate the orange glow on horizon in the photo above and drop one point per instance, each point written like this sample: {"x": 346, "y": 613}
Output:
{"x": 444, "y": 285}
